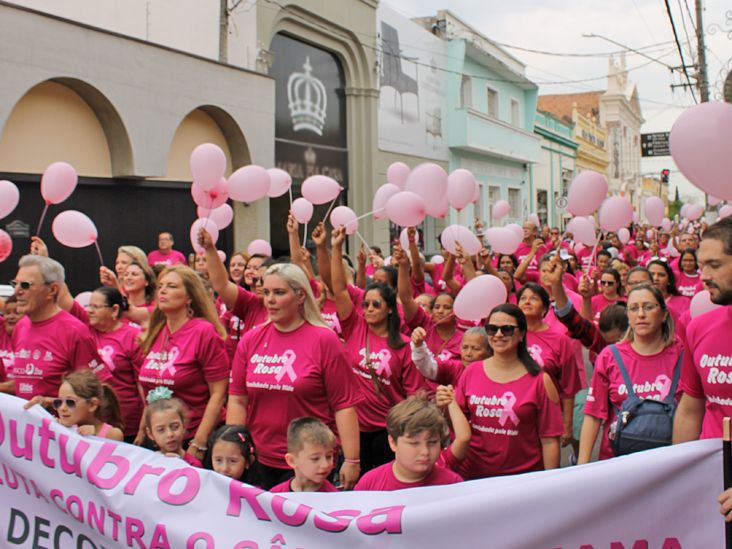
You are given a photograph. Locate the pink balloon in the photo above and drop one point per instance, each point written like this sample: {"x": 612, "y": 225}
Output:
{"x": 503, "y": 240}
{"x": 430, "y": 182}
{"x": 650, "y": 234}
{"x": 210, "y": 228}
{"x": 442, "y": 208}
{"x": 302, "y": 210}
{"x": 461, "y": 187}
{"x": 6, "y": 245}
{"x": 636, "y": 217}
{"x": 583, "y": 230}
{"x": 455, "y": 234}
{"x": 701, "y": 303}
{"x": 249, "y": 184}
{"x": 222, "y": 256}
{"x": 701, "y": 146}
{"x": 535, "y": 220}
{"x": 666, "y": 224}
{"x": 320, "y": 189}
{"x": 623, "y": 235}
{"x": 397, "y": 174}
{"x": 406, "y": 209}
{"x": 725, "y": 211}
{"x": 694, "y": 211}
{"x": 476, "y": 194}
{"x": 437, "y": 259}
{"x": 222, "y": 216}
{"x": 9, "y": 197}
{"x": 280, "y": 182}
{"x": 261, "y": 247}
{"x": 615, "y": 212}
{"x": 479, "y": 297}
{"x": 212, "y": 199}
{"x": 683, "y": 210}
{"x": 404, "y": 238}
{"x": 517, "y": 229}
{"x": 343, "y": 216}
{"x": 58, "y": 182}
{"x": 711, "y": 200}
{"x": 208, "y": 164}
{"x": 586, "y": 193}
{"x": 500, "y": 210}
{"x": 654, "y": 210}
{"x": 74, "y": 229}
{"x": 83, "y": 298}
{"x": 381, "y": 197}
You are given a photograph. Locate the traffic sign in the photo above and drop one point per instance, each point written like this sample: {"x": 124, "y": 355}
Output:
{"x": 655, "y": 144}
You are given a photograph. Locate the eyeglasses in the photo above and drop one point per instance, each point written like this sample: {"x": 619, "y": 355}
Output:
{"x": 375, "y": 303}
{"x": 607, "y": 283}
{"x": 69, "y": 401}
{"x": 97, "y": 307}
{"x": 24, "y": 284}
{"x": 647, "y": 307}
{"x": 507, "y": 329}
{"x": 256, "y": 281}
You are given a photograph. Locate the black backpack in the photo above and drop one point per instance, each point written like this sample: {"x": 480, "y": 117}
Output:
{"x": 643, "y": 423}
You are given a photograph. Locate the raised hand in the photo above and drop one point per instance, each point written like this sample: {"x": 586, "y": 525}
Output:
{"x": 444, "y": 395}
{"x": 319, "y": 235}
{"x": 418, "y": 336}
{"x": 292, "y": 223}
{"x": 205, "y": 240}
{"x": 38, "y": 246}
{"x": 399, "y": 256}
{"x": 337, "y": 237}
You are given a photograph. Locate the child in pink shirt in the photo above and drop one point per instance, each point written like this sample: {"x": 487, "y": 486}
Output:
{"x": 165, "y": 422}
{"x": 310, "y": 454}
{"x": 417, "y": 434}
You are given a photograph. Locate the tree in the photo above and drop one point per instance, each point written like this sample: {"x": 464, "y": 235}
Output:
{"x": 675, "y": 207}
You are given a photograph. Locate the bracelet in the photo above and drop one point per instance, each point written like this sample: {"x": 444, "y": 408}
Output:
{"x": 353, "y": 461}
{"x": 197, "y": 447}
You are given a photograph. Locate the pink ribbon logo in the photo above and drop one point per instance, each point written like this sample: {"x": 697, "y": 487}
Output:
{"x": 665, "y": 382}
{"x": 287, "y": 368}
{"x": 169, "y": 364}
{"x": 383, "y": 367}
{"x": 536, "y": 352}
{"x": 106, "y": 353}
{"x": 509, "y": 400}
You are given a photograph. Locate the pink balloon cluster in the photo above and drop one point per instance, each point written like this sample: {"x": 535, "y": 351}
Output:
{"x": 208, "y": 164}
{"x": 209, "y": 226}
{"x": 221, "y": 216}
{"x": 429, "y": 181}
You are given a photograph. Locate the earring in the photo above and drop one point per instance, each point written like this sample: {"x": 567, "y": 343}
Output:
{"x": 190, "y": 311}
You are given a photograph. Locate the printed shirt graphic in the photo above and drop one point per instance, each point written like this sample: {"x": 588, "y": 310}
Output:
{"x": 707, "y": 371}
{"x": 508, "y": 421}
{"x": 651, "y": 376}
{"x": 121, "y": 354}
{"x": 48, "y": 350}
{"x": 250, "y": 310}
{"x": 290, "y": 375}
{"x": 688, "y": 286}
{"x": 397, "y": 376}
{"x": 554, "y": 352}
{"x": 185, "y": 362}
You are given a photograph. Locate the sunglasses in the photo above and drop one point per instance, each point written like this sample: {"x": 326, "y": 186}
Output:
{"x": 256, "y": 281}
{"x": 506, "y": 330}
{"x": 607, "y": 283}
{"x": 23, "y": 284}
{"x": 58, "y": 402}
{"x": 376, "y": 304}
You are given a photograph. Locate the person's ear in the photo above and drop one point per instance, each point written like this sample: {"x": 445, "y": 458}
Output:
{"x": 290, "y": 460}
{"x": 392, "y": 443}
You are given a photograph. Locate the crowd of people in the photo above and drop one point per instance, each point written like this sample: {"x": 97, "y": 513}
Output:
{"x": 315, "y": 372}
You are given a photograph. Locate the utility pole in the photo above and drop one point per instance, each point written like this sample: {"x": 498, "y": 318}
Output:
{"x": 701, "y": 76}
{"x": 224, "y": 30}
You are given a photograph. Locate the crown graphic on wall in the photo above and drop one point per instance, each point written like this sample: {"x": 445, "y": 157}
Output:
{"x": 307, "y": 100}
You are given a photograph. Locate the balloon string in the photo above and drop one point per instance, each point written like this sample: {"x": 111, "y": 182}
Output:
{"x": 592, "y": 255}
{"x": 40, "y": 222}
{"x": 364, "y": 241}
{"x": 305, "y": 235}
{"x": 370, "y": 213}
{"x": 289, "y": 190}
{"x": 329, "y": 209}
{"x": 99, "y": 254}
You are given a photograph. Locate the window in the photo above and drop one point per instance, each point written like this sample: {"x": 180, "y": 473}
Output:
{"x": 492, "y": 102}
{"x": 542, "y": 209}
{"x": 466, "y": 93}
{"x": 514, "y": 200}
{"x": 515, "y": 113}
{"x": 494, "y": 195}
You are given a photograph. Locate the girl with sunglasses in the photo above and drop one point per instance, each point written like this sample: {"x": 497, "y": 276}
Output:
{"x": 665, "y": 280}
{"x": 511, "y": 404}
{"x": 378, "y": 354}
{"x": 610, "y": 291}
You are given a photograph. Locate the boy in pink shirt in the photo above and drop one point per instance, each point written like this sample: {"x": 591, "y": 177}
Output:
{"x": 417, "y": 434}
{"x": 310, "y": 450}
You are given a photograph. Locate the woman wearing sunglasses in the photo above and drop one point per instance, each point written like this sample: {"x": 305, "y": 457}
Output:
{"x": 379, "y": 355}
{"x": 649, "y": 352}
{"x": 665, "y": 280}
{"x": 512, "y": 405}
{"x": 610, "y": 292}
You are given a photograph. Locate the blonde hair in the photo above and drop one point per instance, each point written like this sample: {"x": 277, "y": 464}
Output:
{"x": 308, "y": 429}
{"x": 201, "y": 305}
{"x": 162, "y": 405}
{"x": 136, "y": 254}
{"x": 296, "y": 278}
{"x": 667, "y": 327}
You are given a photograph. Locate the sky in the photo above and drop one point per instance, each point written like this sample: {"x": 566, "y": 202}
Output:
{"x": 558, "y": 26}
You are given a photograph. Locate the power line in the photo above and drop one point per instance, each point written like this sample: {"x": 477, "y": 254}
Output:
{"x": 686, "y": 32}
{"x": 568, "y": 54}
{"x": 681, "y": 53}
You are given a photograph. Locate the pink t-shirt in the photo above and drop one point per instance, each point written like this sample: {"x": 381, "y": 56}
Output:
{"x": 677, "y": 305}
{"x": 442, "y": 349}
{"x": 554, "y": 352}
{"x": 185, "y": 362}
{"x": 382, "y": 479}
{"x": 329, "y": 313}
{"x": 396, "y": 375}
{"x": 285, "y": 487}
{"x": 707, "y": 367}
{"x": 250, "y": 310}
{"x": 48, "y": 350}
{"x": 289, "y": 375}
{"x": 449, "y": 372}
{"x": 156, "y": 257}
{"x": 525, "y": 249}
{"x": 121, "y": 353}
{"x": 599, "y": 304}
{"x": 688, "y": 286}
{"x": 651, "y": 376}
{"x": 6, "y": 353}
{"x": 508, "y": 421}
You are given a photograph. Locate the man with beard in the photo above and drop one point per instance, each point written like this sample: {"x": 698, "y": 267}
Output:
{"x": 706, "y": 376}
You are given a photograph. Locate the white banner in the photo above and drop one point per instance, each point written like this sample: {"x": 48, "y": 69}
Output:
{"x": 59, "y": 490}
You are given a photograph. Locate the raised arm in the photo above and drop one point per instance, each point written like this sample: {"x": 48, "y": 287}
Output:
{"x": 321, "y": 254}
{"x": 585, "y": 290}
{"x": 404, "y": 284}
{"x": 361, "y": 267}
{"x": 521, "y": 269}
{"x": 293, "y": 239}
{"x": 417, "y": 269}
{"x": 445, "y": 398}
{"x": 344, "y": 305}
{"x": 217, "y": 274}
{"x": 466, "y": 262}
{"x": 453, "y": 286}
